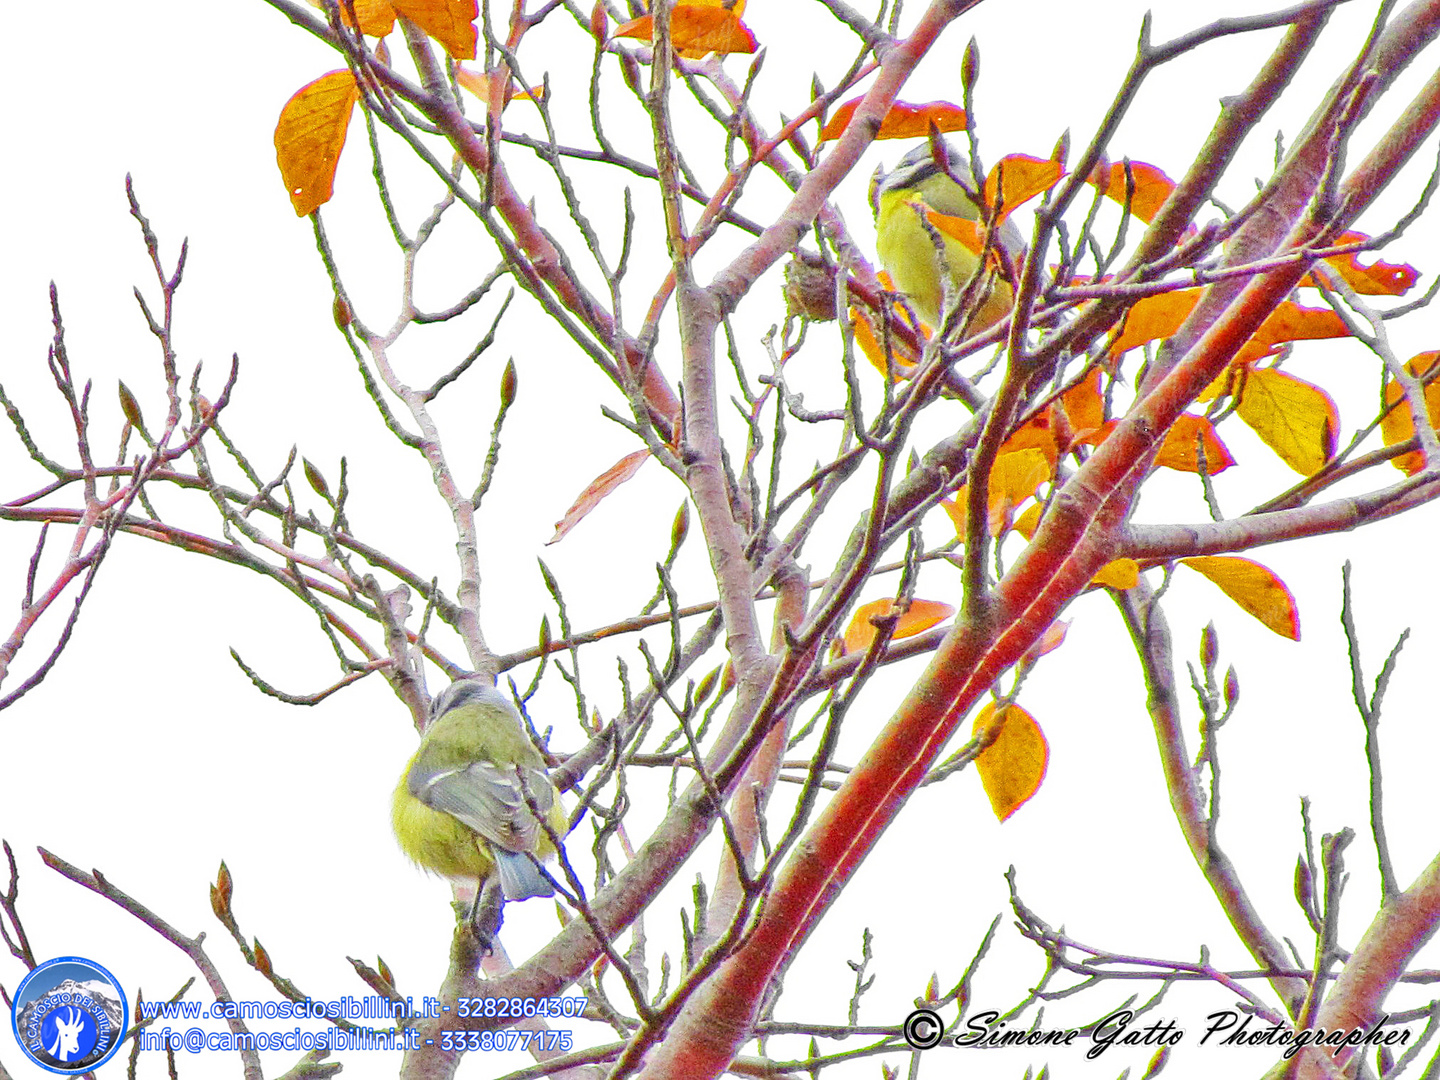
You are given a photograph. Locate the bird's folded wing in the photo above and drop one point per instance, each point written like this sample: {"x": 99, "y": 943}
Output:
{"x": 488, "y": 798}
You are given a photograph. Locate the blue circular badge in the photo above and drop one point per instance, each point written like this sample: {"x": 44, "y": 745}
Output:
{"x": 70, "y": 1015}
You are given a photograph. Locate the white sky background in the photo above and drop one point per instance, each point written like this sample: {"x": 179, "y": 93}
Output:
{"x": 148, "y": 755}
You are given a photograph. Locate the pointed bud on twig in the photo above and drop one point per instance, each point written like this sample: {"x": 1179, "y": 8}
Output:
{"x": 932, "y": 988}
{"x": 1304, "y": 886}
{"x": 1209, "y": 648}
{"x": 1061, "y": 153}
{"x": 262, "y": 960}
{"x": 220, "y": 893}
{"x": 1232, "y": 687}
{"x": 630, "y": 69}
{"x": 970, "y": 65}
{"x": 544, "y": 634}
{"x": 680, "y": 526}
{"x": 341, "y": 310}
{"x": 508, "y": 385}
{"x": 316, "y": 481}
{"x": 384, "y": 969}
{"x": 131, "y": 408}
{"x": 599, "y": 22}
{"x": 707, "y": 685}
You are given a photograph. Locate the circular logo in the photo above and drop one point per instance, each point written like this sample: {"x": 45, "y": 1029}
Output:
{"x": 923, "y": 1029}
{"x": 70, "y": 1015}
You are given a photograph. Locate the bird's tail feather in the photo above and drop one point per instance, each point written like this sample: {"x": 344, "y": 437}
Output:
{"x": 520, "y": 877}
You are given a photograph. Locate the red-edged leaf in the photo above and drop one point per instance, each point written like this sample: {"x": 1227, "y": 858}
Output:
{"x": 1018, "y": 178}
{"x": 903, "y": 121}
{"x": 1152, "y": 187}
{"x": 1255, "y": 588}
{"x": 1398, "y": 425}
{"x": 310, "y": 136}
{"x": 697, "y": 30}
{"x": 601, "y": 486}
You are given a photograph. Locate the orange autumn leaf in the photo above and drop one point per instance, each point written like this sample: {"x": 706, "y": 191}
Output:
{"x": 1121, "y": 574}
{"x": 376, "y": 17}
{"x": 309, "y": 138}
{"x": 1154, "y": 317}
{"x": 450, "y": 22}
{"x": 1290, "y": 322}
{"x": 1296, "y": 419}
{"x": 1378, "y": 279}
{"x": 598, "y": 488}
{"x": 903, "y": 121}
{"x": 1036, "y": 434}
{"x": 1255, "y": 588}
{"x": 1178, "y": 450}
{"x": 902, "y": 354}
{"x": 1050, "y": 640}
{"x": 697, "y": 30}
{"x": 478, "y": 83}
{"x": 1084, "y": 407}
{"x": 1398, "y": 425}
{"x": 1012, "y": 767}
{"x": 919, "y": 617}
{"x": 1152, "y": 187}
{"x": 1018, "y": 178}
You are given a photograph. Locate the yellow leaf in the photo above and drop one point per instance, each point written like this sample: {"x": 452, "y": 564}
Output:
{"x": 1295, "y": 418}
{"x": 1014, "y": 478}
{"x": 1120, "y": 574}
{"x": 1255, "y": 588}
{"x": 1398, "y": 425}
{"x": 1029, "y": 521}
{"x": 1012, "y": 767}
{"x": 310, "y": 136}
{"x": 450, "y": 22}
{"x": 921, "y": 615}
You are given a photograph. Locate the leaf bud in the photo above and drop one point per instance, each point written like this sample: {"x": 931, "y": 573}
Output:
{"x": 680, "y": 527}
{"x": 508, "y": 385}
{"x": 224, "y": 884}
{"x": 707, "y": 685}
{"x": 599, "y": 22}
{"x": 1232, "y": 687}
{"x": 341, "y": 310}
{"x": 1304, "y": 886}
{"x": 316, "y": 480}
{"x": 970, "y": 65}
{"x": 1209, "y": 647}
{"x": 384, "y": 969}
{"x": 131, "y": 408}
{"x": 262, "y": 960}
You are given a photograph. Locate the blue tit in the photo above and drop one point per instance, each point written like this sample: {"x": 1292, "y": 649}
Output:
{"x": 460, "y": 808}
{"x": 912, "y": 253}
